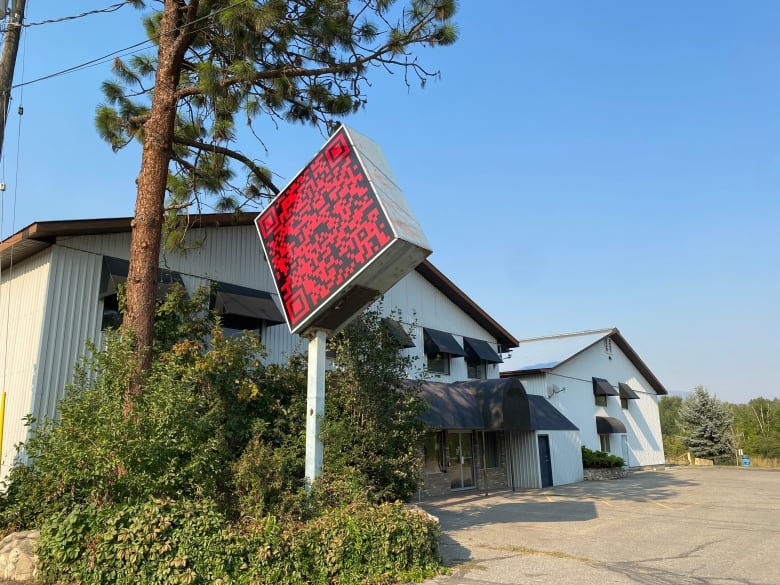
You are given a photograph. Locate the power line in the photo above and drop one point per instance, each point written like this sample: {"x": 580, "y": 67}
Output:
{"x": 112, "y": 8}
{"x": 92, "y": 63}
{"x": 126, "y": 51}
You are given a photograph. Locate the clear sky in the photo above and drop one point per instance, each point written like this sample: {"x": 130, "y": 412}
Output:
{"x": 578, "y": 165}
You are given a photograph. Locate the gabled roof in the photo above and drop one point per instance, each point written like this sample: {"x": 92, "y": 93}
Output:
{"x": 544, "y": 354}
{"x": 40, "y": 235}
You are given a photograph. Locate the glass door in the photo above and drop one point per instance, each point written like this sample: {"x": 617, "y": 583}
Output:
{"x": 460, "y": 468}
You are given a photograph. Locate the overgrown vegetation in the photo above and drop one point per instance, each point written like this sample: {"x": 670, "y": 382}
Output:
{"x": 600, "y": 459}
{"x": 373, "y": 422}
{"x": 202, "y": 482}
{"x": 717, "y": 429}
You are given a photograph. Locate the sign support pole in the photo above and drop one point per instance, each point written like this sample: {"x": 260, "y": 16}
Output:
{"x": 315, "y": 406}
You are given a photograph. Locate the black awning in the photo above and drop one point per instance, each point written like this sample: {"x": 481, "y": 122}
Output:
{"x": 626, "y": 392}
{"x": 603, "y": 388}
{"x": 249, "y": 303}
{"x": 441, "y": 342}
{"x": 114, "y": 273}
{"x": 399, "y": 333}
{"x": 502, "y": 402}
{"x": 448, "y": 407}
{"x": 545, "y": 417}
{"x": 478, "y": 350}
{"x": 608, "y": 425}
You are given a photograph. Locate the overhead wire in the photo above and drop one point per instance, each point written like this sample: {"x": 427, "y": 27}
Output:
{"x": 132, "y": 49}
{"x": 112, "y": 8}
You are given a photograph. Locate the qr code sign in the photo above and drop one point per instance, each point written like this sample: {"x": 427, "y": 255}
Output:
{"x": 322, "y": 229}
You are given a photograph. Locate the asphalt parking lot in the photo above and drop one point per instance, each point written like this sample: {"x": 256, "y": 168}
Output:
{"x": 677, "y": 526}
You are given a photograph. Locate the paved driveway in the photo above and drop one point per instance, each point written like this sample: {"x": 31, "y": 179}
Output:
{"x": 680, "y": 526}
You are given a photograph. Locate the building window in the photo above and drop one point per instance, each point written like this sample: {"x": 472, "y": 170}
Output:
{"x": 439, "y": 348}
{"x": 623, "y": 402}
{"x": 492, "y": 451}
{"x": 476, "y": 369}
{"x": 608, "y": 345}
{"x": 604, "y": 443}
{"x": 439, "y": 363}
{"x": 434, "y": 459}
{"x": 601, "y": 400}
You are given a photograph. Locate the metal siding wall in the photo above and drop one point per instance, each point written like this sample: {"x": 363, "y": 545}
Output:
{"x": 22, "y": 302}
{"x": 566, "y": 456}
{"x": 72, "y": 315}
{"x": 423, "y": 304}
{"x": 523, "y": 461}
{"x": 228, "y": 254}
{"x": 641, "y": 417}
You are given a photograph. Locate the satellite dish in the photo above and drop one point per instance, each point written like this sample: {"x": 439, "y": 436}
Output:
{"x": 554, "y": 389}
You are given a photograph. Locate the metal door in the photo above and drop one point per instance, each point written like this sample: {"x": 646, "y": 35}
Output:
{"x": 545, "y": 462}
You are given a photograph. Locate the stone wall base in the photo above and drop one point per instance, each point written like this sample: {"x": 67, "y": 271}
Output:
{"x": 608, "y": 473}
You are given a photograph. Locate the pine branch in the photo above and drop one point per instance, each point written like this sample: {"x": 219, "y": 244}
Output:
{"x": 256, "y": 170}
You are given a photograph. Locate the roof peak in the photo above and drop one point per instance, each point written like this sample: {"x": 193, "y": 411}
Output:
{"x": 607, "y": 331}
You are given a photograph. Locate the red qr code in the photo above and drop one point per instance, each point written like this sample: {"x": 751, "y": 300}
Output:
{"x": 322, "y": 229}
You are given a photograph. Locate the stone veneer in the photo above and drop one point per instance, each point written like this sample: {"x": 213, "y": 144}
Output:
{"x": 607, "y": 473}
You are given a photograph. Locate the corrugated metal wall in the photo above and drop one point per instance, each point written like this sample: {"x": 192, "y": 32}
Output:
{"x": 523, "y": 460}
{"x": 566, "y": 454}
{"x": 22, "y": 303}
{"x": 72, "y": 315}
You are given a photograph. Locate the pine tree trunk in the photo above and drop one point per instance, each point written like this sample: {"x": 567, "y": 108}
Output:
{"x": 150, "y": 199}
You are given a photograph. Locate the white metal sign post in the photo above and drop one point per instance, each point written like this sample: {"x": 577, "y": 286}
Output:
{"x": 315, "y": 405}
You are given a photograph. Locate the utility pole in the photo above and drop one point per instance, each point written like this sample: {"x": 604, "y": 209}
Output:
{"x": 13, "y": 33}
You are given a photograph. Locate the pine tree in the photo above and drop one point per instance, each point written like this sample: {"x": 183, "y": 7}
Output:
{"x": 305, "y": 61}
{"x": 706, "y": 424}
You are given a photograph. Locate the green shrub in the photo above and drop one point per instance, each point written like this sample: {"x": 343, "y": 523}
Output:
{"x": 167, "y": 542}
{"x": 359, "y": 543}
{"x": 600, "y": 459}
{"x": 163, "y": 542}
{"x": 200, "y": 479}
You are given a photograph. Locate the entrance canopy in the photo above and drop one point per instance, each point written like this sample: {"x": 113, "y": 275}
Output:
{"x": 490, "y": 405}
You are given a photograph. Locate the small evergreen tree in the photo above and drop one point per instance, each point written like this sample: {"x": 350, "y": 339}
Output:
{"x": 372, "y": 419}
{"x": 706, "y": 424}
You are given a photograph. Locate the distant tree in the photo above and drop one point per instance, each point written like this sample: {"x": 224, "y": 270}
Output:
{"x": 305, "y": 61}
{"x": 372, "y": 423}
{"x": 706, "y": 424}
{"x": 758, "y": 422}
{"x": 669, "y": 410}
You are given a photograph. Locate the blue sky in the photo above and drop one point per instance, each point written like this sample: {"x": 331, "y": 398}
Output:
{"x": 579, "y": 165}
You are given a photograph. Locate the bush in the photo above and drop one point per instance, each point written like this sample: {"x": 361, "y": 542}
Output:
{"x": 358, "y": 543}
{"x": 154, "y": 542}
{"x": 167, "y": 542}
{"x": 200, "y": 478}
{"x": 600, "y": 459}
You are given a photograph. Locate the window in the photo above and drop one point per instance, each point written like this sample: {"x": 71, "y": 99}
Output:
{"x": 113, "y": 275}
{"x": 439, "y": 363}
{"x": 608, "y": 345}
{"x": 433, "y": 453}
{"x": 623, "y": 402}
{"x": 601, "y": 400}
{"x": 604, "y": 443}
{"x": 439, "y": 348}
{"x": 476, "y": 369}
{"x": 492, "y": 450}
